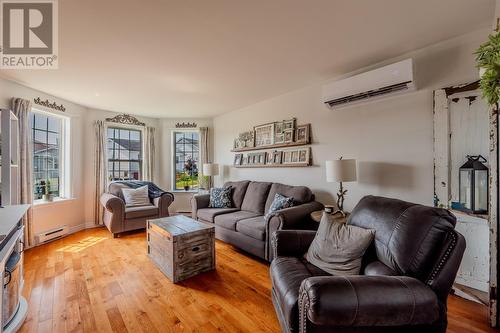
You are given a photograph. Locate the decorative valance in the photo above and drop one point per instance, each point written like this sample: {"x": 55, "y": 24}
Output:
{"x": 125, "y": 119}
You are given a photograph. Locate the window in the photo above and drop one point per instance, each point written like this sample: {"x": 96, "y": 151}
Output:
{"x": 124, "y": 153}
{"x": 186, "y": 155}
{"x": 48, "y": 154}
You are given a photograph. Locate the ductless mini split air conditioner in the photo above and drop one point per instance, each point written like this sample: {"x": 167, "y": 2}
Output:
{"x": 385, "y": 81}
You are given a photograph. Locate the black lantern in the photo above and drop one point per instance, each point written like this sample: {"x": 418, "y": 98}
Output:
{"x": 473, "y": 182}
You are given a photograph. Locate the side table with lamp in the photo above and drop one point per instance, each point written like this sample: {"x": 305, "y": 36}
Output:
{"x": 341, "y": 171}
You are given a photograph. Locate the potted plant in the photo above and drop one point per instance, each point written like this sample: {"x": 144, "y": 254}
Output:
{"x": 46, "y": 196}
{"x": 488, "y": 62}
{"x": 185, "y": 179}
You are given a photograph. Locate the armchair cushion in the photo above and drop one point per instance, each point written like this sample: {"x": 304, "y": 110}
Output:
{"x": 136, "y": 196}
{"x": 141, "y": 211}
{"x": 338, "y": 248}
{"x": 364, "y": 301}
{"x": 209, "y": 214}
{"x": 254, "y": 227}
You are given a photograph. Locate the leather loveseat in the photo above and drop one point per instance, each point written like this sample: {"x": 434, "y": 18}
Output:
{"x": 407, "y": 274}
{"x": 245, "y": 226}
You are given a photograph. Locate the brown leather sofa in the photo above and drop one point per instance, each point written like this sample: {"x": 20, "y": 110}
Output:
{"x": 244, "y": 225}
{"x": 118, "y": 218}
{"x": 407, "y": 274}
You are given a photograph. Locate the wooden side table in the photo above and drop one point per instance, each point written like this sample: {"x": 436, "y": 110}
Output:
{"x": 316, "y": 216}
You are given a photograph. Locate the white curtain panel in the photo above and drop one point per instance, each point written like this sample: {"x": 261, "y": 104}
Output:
{"x": 149, "y": 154}
{"x": 22, "y": 110}
{"x": 99, "y": 169}
{"x": 204, "y": 156}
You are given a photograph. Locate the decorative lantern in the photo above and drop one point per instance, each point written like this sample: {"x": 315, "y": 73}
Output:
{"x": 473, "y": 182}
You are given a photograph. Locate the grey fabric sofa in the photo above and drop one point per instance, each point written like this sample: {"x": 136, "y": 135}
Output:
{"x": 118, "y": 218}
{"x": 244, "y": 225}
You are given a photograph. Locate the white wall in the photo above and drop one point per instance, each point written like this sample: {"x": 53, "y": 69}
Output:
{"x": 392, "y": 139}
{"x": 70, "y": 212}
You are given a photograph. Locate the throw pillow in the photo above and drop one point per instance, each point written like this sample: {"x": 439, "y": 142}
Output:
{"x": 279, "y": 202}
{"x": 136, "y": 196}
{"x": 220, "y": 197}
{"x": 338, "y": 248}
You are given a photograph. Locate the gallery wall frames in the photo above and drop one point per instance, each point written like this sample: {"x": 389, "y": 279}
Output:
{"x": 291, "y": 157}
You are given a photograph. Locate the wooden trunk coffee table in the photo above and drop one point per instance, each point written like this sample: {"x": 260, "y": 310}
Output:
{"x": 180, "y": 246}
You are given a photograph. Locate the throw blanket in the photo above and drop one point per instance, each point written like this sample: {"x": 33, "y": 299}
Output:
{"x": 153, "y": 190}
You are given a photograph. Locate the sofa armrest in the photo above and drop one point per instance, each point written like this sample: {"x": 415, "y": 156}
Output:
{"x": 112, "y": 203}
{"x": 199, "y": 201}
{"x": 291, "y": 243}
{"x": 163, "y": 202}
{"x": 293, "y": 218}
{"x": 363, "y": 301}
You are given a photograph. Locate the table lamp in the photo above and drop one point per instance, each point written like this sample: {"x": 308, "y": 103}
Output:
{"x": 341, "y": 171}
{"x": 210, "y": 170}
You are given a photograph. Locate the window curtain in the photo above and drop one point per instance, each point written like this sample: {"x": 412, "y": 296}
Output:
{"x": 22, "y": 109}
{"x": 204, "y": 157}
{"x": 149, "y": 154}
{"x": 99, "y": 169}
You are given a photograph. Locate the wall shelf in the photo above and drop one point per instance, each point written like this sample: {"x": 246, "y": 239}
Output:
{"x": 295, "y": 165}
{"x": 278, "y": 145}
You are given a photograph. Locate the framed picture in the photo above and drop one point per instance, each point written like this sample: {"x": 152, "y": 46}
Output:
{"x": 261, "y": 158}
{"x": 295, "y": 156}
{"x": 279, "y": 138}
{"x": 302, "y": 134}
{"x": 269, "y": 157}
{"x": 238, "y": 159}
{"x": 288, "y": 135}
{"x": 289, "y": 124}
{"x": 303, "y": 156}
{"x": 264, "y": 135}
{"x": 278, "y": 127}
{"x": 287, "y": 157}
{"x": 277, "y": 156}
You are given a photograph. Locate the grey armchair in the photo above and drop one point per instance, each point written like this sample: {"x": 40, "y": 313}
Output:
{"x": 118, "y": 218}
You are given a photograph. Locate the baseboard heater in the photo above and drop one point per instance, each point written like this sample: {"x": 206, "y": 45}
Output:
{"x": 53, "y": 234}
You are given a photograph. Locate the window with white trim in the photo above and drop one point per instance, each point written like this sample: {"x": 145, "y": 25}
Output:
{"x": 186, "y": 158}
{"x": 124, "y": 153}
{"x": 50, "y": 164}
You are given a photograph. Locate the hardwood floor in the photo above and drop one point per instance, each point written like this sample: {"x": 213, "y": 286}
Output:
{"x": 90, "y": 282}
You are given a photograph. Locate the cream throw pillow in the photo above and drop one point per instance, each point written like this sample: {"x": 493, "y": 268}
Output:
{"x": 136, "y": 196}
{"x": 338, "y": 248}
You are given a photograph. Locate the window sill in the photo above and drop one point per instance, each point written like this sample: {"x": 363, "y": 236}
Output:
{"x": 42, "y": 203}
{"x": 184, "y": 191}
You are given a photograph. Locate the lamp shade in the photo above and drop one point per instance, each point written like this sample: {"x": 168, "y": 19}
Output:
{"x": 341, "y": 171}
{"x": 210, "y": 169}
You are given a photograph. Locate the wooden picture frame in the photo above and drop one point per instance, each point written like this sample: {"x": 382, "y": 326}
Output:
{"x": 289, "y": 124}
{"x": 288, "y": 136}
{"x": 303, "y": 133}
{"x": 238, "y": 159}
{"x": 264, "y": 135}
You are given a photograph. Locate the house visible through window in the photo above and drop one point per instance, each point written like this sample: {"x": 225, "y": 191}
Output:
{"x": 186, "y": 154}
{"x": 124, "y": 154}
{"x": 48, "y": 154}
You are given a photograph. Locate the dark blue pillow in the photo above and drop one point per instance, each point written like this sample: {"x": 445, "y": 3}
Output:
{"x": 220, "y": 197}
{"x": 279, "y": 202}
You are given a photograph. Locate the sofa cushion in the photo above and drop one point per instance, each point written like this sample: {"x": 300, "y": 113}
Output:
{"x": 407, "y": 236}
{"x": 136, "y": 196}
{"x": 255, "y": 197}
{"x": 208, "y": 214}
{"x": 300, "y": 194}
{"x": 140, "y": 211}
{"x": 238, "y": 192}
{"x": 280, "y": 202}
{"x": 220, "y": 197}
{"x": 254, "y": 227}
{"x": 287, "y": 273}
{"x": 338, "y": 248}
{"x": 228, "y": 221}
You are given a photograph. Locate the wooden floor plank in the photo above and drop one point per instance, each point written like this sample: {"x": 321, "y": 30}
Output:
{"x": 92, "y": 282}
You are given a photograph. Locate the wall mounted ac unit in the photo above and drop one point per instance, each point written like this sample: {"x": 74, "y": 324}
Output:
{"x": 381, "y": 82}
{"x": 51, "y": 235}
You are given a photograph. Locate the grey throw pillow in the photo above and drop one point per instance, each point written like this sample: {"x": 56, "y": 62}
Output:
{"x": 136, "y": 196}
{"x": 279, "y": 202}
{"x": 338, "y": 248}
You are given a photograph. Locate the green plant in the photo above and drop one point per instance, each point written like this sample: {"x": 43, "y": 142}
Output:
{"x": 185, "y": 179}
{"x": 488, "y": 59}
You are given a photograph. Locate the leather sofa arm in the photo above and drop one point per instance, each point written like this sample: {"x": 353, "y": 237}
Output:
{"x": 291, "y": 243}
{"x": 364, "y": 301}
{"x": 197, "y": 202}
{"x": 293, "y": 218}
{"x": 163, "y": 202}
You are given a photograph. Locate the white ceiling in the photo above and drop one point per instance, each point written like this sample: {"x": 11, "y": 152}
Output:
{"x": 201, "y": 58}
